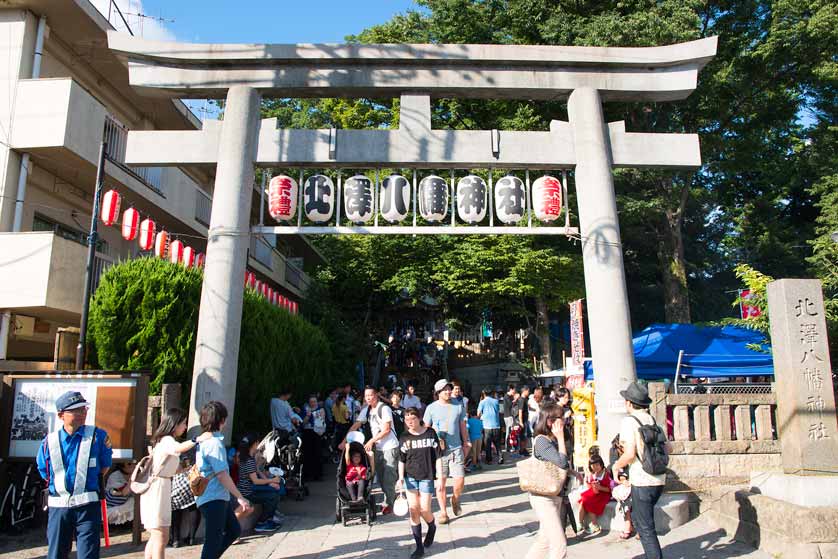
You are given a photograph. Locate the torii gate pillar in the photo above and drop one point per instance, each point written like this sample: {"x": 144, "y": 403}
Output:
{"x": 228, "y": 239}
{"x": 605, "y": 280}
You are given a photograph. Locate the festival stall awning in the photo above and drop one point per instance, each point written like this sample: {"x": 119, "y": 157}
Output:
{"x": 709, "y": 351}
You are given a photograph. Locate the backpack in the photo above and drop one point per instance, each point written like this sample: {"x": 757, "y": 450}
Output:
{"x": 398, "y": 423}
{"x": 145, "y": 473}
{"x": 654, "y": 458}
{"x": 142, "y": 476}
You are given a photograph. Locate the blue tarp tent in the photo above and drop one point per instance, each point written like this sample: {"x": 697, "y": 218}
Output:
{"x": 708, "y": 352}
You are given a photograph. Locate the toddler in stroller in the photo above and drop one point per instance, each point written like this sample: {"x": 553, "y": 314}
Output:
{"x": 354, "y": 480}
{"x": 284, "y": 449}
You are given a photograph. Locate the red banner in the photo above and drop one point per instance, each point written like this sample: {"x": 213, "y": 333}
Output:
{"x": 577, "y": 333}
{"x": 746, "y": 310}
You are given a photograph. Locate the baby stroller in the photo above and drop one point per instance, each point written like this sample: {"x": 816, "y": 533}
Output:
{"x": 346, "y": 509}
{"x": 285, "y": 450}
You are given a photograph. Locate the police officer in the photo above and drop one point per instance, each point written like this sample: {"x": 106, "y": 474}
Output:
{"x": 71, "y": 460}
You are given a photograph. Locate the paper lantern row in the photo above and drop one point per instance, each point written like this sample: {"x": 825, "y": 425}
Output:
{"x": 146, "y": 234}
{"x": 433, "y": 198}
{"x": 272, "y": 295}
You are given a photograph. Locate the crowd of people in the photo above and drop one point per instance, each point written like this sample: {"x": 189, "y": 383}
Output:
{"x": 416, "y": 448}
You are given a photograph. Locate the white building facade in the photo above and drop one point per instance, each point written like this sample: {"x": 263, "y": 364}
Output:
{"x": 62, "y": 91}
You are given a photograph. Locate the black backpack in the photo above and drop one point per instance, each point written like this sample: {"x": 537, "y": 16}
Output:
{"x": 655, "y": 458}
{"x": 398, "y": 422}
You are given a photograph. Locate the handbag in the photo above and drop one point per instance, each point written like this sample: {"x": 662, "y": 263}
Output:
{"x": 197, "y": 482}
{"x": 540, "y": 477}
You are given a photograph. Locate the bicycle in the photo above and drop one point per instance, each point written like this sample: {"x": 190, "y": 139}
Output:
{"x": 21, "y": 501}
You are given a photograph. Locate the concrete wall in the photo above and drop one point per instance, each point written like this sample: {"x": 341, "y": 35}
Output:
{"x": 17, "y": 45}
{"x": 41, "y": 270}
{"x": 782, "y": 529}
{"x": 58, "y": 113}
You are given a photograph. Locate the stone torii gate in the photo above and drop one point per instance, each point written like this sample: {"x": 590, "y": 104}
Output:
{"x": 243, "y": 73}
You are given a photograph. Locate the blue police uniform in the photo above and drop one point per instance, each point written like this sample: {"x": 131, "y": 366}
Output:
{"x": 71, "y": 464}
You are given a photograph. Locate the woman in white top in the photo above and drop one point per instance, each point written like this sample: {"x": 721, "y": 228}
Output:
{"x": 156, "y": 503}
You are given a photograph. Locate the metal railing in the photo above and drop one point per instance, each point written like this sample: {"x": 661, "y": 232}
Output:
{"x": 101, "y": 262}
{"x": 724, "y": 388}
{"x": 116, "y": 136}
{"x": 203, "y": 207}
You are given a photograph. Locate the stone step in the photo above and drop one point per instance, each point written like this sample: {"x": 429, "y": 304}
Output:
{"x": 672, "y": 511}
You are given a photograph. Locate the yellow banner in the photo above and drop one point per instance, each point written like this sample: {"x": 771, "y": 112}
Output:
{"x": 584, "y": 424}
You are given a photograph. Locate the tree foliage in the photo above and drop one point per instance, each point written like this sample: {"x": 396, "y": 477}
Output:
{"x": 144, "y": 315}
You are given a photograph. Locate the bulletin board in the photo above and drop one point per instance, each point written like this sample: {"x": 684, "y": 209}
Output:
{"x": 118, "y": 405}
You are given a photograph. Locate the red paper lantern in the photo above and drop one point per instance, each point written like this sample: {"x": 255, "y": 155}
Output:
{"x": 265, "y": 289}
{"x": 547, "y": 198}
{"x": 130, "y": 224}
{"x": 257, "y": 285}
{"x": 188, "y": 259}
{"x": 147, "y": 230}
{"x": 176, "y": 252}
{"x": 276, "y": 298}
{"x": 282, "y": 196}
{"x": 161, "y": 244}
{"x": 294, "y": 307}
{"x": 282, "y": 301}
{"x": 110, "y": 207}
{"x": 200, "y": 260}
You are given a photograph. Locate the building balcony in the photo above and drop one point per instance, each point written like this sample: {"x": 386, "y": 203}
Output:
{"x": 61, "y": 125}
{"x": 43, "y": 274}
{"x": 264, "y": 259}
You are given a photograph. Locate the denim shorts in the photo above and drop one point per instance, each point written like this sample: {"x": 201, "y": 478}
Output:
{"x": 420, "y": 485}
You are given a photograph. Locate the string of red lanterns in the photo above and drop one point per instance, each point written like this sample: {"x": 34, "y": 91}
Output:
{"x": 149, "y": 238}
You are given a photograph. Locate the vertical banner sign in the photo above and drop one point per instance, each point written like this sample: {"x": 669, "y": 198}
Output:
{"x": 577, "y": 333}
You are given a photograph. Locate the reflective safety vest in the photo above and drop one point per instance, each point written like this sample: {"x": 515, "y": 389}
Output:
{"x": 78, "y": 496}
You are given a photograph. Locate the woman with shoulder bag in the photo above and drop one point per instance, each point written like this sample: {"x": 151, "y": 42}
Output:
{"x": 220, "y": 523}
{"x": 156, "y": 502}
{"x": 549, "y": 445}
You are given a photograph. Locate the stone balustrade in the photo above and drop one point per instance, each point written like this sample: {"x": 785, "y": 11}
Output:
{"x": 717, "y": 438}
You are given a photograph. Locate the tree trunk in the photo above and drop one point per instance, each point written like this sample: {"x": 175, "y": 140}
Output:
{"x": 671, "y": 257}
{"x": 542, "y": 330}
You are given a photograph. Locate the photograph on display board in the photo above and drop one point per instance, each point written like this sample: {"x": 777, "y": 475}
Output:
{"x": 34, "y": 416}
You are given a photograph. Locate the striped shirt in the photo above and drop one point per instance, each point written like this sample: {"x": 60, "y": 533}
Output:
{"x": 246, "y": 467}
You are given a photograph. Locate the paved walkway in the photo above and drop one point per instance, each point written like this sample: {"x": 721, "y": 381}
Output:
{"x": 497, "y": 522}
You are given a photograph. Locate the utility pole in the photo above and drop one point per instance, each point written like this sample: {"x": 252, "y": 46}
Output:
{"x": 92, "y": 238}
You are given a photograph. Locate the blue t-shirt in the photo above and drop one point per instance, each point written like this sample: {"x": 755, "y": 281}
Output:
{"x": 211, "y": 458}
{"x": 100, "y": 458}
{"x": 445, "y": 420}
{"x": 489, "y": 410}
{"x": 475, "y": 428}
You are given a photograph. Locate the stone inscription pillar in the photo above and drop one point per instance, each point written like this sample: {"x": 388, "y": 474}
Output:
{"x": 806, "y": 421}
{"x": 219, "y": 321}
{"x": 605, "y": 281}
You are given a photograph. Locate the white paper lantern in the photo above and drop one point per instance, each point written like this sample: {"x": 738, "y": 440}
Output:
{"x": 282, "y": 198}
{"x": 319, "y": 198}
{"x": 395, "y": 198}
{"x": 472, "y": 198}
{"x": 433, "y": 198}
{"x": 510, "y": 198}
{"x": 547, "y": 198}
{"x": 357, "y": 198}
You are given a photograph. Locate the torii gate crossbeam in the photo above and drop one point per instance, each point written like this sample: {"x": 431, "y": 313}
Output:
{"x": 586, "y": 76}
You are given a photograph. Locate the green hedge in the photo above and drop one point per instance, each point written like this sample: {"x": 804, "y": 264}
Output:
{"x": 144, "y": 315}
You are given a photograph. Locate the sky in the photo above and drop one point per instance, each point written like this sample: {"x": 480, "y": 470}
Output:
{"x": 251, "y": 21}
